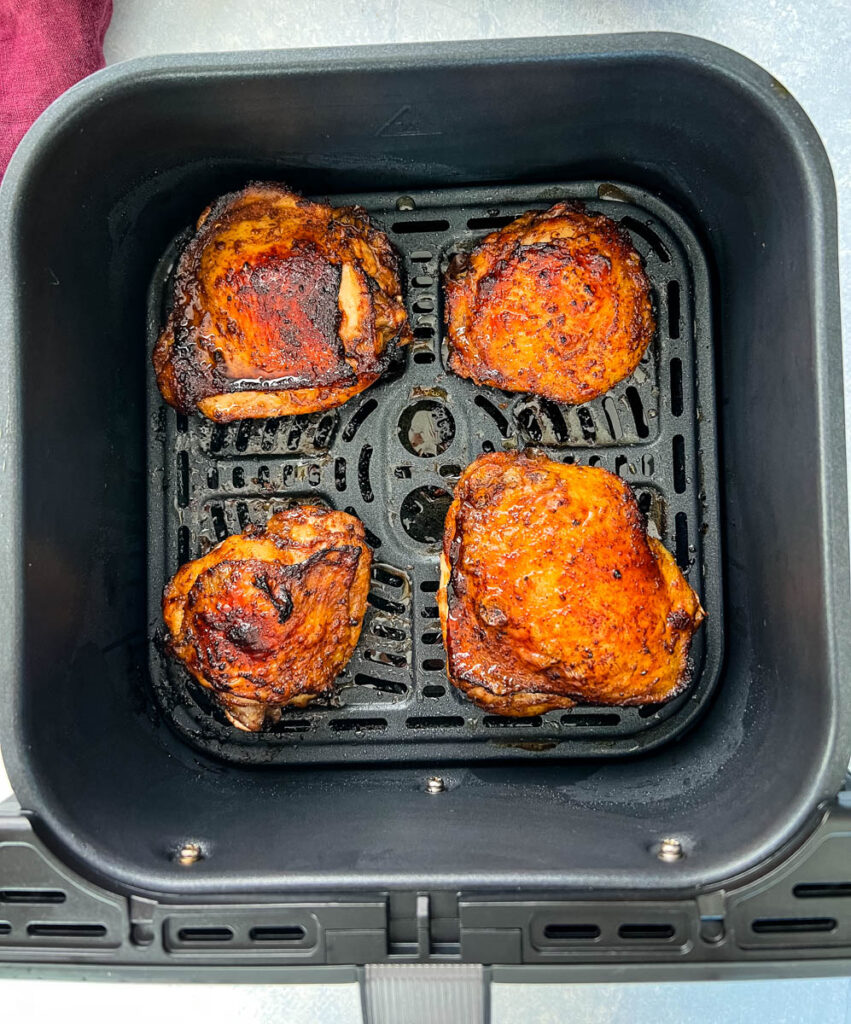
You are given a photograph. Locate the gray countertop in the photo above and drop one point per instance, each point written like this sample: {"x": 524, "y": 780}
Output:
{"x": 806, "y": 45}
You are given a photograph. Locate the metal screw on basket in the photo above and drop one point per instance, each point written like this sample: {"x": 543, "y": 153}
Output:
{"x": 189, "y": 853}
{"x": 405, "y": 203}
{"x": 669, "y": 850}
{"x": 435, "y": 785}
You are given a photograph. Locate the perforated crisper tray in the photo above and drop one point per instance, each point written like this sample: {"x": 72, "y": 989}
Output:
{"x": 392, "y": 455}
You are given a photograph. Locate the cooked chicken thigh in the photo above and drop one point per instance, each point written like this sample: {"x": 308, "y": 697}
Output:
{"x": 555, "y": 304}
{"x": 271, "y": 616}
{"x": 551, "y": 592}
{"x": 281, "y": 306}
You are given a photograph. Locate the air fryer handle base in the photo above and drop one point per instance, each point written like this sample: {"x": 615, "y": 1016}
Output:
{"x": 789, "y": 913}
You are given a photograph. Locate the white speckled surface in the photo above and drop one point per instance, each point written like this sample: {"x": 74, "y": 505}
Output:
{"x": 73, "y": 1003}
{"x": 818, "y": 1001}
{"x": 804, "y": 44}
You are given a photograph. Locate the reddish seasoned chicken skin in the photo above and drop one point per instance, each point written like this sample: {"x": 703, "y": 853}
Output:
{"x": 556, "y": 304}
{"x": 551, "y": 592}
{"x": 271, "y": 616}
{"x": 281, "y": 306}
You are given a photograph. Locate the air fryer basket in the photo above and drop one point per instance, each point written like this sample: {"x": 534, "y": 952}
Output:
{"x": 706, "y": 147}
{"x": 370, "y": 457}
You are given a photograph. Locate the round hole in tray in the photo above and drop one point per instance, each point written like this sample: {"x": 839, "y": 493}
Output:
{"x": 423, "y": 512}
{"x": 426, "y": 428}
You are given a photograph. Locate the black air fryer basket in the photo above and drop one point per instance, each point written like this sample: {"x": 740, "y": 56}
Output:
{"x": 150, "y": 832}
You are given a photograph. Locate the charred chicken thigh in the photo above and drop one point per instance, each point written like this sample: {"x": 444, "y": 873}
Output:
{"x": 270, "y": 617}
{"x": 281, "y": 306}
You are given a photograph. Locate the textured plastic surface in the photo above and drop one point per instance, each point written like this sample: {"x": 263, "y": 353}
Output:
{"x": 392, "y": 457}
{"x": 422, "y": 993}
{"x": 793, "y": 917}
{"x": 139, "y": 150}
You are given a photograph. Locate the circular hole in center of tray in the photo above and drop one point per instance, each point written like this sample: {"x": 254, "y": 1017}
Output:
{"x": 423, "y": 512}
{"x": 426, "y": 428}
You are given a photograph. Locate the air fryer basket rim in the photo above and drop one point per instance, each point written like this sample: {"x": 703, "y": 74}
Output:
{"x": 832, "y": 513}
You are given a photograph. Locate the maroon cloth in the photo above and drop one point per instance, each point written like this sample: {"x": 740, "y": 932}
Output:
{"x": 45, "y": 47}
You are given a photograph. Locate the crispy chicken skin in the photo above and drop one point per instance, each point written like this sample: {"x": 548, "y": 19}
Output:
{"x": 271, "y": 616}
{"x": 551, "y": 592}
{"x": 555, "y": 304}
{"x": 281, "y": 306}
